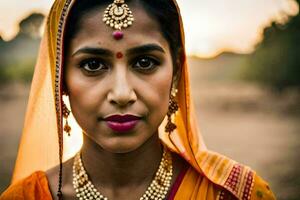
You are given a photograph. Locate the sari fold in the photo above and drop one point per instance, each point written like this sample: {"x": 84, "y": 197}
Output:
{"x": 33, "y": 187}
{"x": 190, "y": 185}
{"x": 210, "y": 176}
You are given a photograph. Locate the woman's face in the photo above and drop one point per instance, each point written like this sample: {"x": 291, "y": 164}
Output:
{"x": 119, "y": 90}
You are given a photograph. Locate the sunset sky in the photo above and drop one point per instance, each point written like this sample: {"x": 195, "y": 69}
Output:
{"x": 212, "y": 26}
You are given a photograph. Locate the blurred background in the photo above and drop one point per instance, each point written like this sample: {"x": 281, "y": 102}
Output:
{"x": 244, "y": 58}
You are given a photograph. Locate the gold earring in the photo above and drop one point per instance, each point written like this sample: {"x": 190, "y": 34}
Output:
{"x": 66, "y": 113}
{"x": 173, "y": 108}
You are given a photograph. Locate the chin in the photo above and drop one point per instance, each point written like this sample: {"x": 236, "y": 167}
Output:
{"x": 122, "y": 145}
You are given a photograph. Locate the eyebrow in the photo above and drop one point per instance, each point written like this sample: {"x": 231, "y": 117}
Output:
{"x": 93, "y": 50}
{"x": 145, "y": 49}
{"x": 105, "y": 52}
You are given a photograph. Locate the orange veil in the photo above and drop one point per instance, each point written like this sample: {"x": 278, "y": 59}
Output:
{"x": 39, "y": 146}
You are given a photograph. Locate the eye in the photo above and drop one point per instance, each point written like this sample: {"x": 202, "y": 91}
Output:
{"x": 93, "y": 65}
{"x": 145, "y": 63}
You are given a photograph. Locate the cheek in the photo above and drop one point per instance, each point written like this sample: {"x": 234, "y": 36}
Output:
{"x": 157, "y": 94}
{"x": 76, "y": 88}
{"x": 84, "y": 95}
{"x": 81, "y": 87}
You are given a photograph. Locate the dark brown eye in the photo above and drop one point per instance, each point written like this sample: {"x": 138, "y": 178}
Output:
{"x": 145, "y": 63}
{"x": 93, "y": 65}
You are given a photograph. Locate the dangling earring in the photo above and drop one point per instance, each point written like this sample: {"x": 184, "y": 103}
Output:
{"x": 173, "y": 108}
{"x": 66, "y": 113}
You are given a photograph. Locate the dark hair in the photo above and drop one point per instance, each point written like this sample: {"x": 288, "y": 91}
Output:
{"x": 163, "y": 11}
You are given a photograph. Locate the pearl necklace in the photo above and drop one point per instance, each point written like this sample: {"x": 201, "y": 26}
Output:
{"x": 158, "y": 189}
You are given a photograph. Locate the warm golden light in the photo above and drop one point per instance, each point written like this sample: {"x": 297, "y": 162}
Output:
{"x": 215, "y": 26}
{"x": 211, "y": 26}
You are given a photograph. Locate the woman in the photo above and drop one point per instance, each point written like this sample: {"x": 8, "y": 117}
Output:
{"x": 121, "y": 65}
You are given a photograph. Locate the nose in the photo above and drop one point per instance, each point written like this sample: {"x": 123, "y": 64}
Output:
{"x": 122, "y": 93}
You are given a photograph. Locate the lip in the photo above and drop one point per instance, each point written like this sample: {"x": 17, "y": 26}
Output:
{"x": 122, "y": 123}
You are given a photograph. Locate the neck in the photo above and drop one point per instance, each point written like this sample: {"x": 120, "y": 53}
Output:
{"x": 117, "y": 170}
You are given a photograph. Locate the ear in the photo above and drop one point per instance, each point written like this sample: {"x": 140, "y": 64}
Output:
{"x": 176, "y": 74}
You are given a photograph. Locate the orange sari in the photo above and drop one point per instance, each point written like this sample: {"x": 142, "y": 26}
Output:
{"x": 191, "y": 186}
{"x": 210, "y": 175}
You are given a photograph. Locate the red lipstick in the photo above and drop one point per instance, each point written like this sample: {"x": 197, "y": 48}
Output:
{"x": 122, "y": 123}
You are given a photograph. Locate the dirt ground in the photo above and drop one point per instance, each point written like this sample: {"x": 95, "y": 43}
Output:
{"x": 243, "y": 121}
{"x": 266, "y": 139}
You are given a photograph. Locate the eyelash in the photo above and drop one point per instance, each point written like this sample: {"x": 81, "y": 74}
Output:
{"x": 155, "y": 62}
{"x": 102, "y": 66}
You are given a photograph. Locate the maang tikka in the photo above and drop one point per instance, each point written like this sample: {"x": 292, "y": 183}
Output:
{"x": 118, "y": 15}
{"x": 173, "y": 108}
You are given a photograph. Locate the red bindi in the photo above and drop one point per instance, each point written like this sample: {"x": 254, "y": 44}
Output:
{"x": 119, "y": 55}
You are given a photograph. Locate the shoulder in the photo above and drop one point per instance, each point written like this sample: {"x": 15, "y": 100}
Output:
{"x": 235, "y": 178}
{"x": 32, "y": 187}
{"x": 228, "y": 179}
{"x": 258, "y": 190}
{"x": 244, "y": 183}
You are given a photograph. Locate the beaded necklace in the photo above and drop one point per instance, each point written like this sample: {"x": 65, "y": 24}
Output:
{"x": 158, "y": 189}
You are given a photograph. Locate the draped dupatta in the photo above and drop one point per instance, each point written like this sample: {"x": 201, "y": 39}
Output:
{"x": 39, "y": 147}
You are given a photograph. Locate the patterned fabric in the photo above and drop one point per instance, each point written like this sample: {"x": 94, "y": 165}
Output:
{"x": 192, "y": 186}
{"x": 43, "y": 130}
{"x": 240, "y": 181}
{"x": 225, "y": 195}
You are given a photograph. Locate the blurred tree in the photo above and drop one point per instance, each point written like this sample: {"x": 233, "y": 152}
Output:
{"x": 31, "y": 26}
{"x": 1, "y": 44}
{"x": 18, "y": 56}
{"x": 276, "y": 61}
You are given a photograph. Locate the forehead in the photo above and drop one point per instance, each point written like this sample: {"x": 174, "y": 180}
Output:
{"x": 93, "y": 31}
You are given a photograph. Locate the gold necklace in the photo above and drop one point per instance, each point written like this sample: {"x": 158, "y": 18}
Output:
{"x": 158, "y": 189}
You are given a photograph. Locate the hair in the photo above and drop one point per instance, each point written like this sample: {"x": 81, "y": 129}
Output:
{"x": 163, "y": 11}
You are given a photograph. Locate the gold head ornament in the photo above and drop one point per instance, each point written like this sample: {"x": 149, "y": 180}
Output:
{"x": 117, "y": 16}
